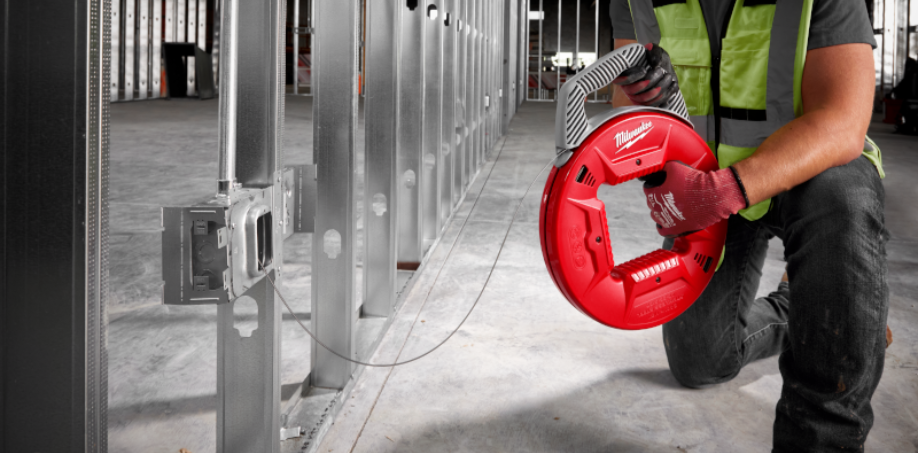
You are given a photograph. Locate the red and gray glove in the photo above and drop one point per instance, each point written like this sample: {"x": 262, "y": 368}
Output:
{"x": 683, "y": 200}
{"x": 650, "y": 85}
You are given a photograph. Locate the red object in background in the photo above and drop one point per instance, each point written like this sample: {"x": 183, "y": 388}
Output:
{"x": 646, "y": 291}
{"x": 891, "y": 108}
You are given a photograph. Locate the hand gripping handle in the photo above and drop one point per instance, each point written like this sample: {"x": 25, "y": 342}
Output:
{"x": 571, "y": 123}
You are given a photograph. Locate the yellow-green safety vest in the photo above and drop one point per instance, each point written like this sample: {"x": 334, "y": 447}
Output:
{"x": 759, "y": 75}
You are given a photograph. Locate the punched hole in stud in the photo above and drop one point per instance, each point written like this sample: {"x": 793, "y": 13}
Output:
{"x": 263, "y": 240}
{"x": 331, "y": 243}
{"x": 245, "y": 316}
{"x": 379, "y": 204}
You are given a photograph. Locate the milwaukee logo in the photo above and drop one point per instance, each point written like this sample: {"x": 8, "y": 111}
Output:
{"x": 625, "y": 139}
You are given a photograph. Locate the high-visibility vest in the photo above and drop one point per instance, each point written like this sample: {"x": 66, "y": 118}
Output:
{"x": 757, "y": 79}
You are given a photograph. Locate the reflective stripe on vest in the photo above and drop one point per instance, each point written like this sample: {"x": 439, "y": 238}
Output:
{"x": 743, "y": 51}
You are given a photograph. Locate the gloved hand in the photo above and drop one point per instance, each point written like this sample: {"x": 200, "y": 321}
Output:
{"x": 651, "y": 85}
{"x": 683, "y": 200}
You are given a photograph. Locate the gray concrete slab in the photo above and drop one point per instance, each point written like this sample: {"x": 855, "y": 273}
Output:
{"x": 529, "y": 373}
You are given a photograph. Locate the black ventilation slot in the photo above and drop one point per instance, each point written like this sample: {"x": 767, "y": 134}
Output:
{"x": 704, "y": 261}
{"x": 581, "y": 173}
{"x": 584, "y": 176}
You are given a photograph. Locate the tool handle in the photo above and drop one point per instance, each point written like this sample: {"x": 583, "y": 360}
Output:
{"x": 571, "y": 123}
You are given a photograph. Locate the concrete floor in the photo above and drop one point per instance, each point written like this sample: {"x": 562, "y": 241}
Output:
{"x": 529, "y": 373}
{"x": 162, "y": 359}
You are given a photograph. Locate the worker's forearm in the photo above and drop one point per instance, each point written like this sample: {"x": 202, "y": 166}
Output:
{"x": 799, "y": 151}
{"x": 837, "y": 94}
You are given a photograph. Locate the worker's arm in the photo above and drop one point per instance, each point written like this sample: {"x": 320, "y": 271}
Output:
{"x": 838, "y": 88}
{"x": 619, "y": 98}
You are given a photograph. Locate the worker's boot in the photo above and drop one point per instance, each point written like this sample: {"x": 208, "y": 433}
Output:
{"x": 888, "y": 332}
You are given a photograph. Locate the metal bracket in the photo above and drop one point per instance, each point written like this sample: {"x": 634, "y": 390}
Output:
{"x": 195, "y": 255}
{"x": 292, "y": 433}
{"x": 211, "y": 251}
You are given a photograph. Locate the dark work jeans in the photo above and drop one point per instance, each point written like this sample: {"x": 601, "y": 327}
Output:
{"x": 828, "y": 324}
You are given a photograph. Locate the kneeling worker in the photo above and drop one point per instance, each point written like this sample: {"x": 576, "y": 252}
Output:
{"x": 782, "y": 91}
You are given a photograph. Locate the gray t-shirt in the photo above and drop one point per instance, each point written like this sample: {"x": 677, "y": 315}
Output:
{"x": 833, "y": 22}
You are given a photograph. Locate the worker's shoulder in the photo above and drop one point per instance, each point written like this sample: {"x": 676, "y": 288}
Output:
{"x": 835, "y": 22}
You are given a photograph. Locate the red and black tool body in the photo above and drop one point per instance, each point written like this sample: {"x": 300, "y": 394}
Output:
{"x": 646, "y": 291}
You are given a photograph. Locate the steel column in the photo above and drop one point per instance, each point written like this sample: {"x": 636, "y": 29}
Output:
{"x": 483, "y": 16}
{"x": 295, "y": 61}
{"x": 410, "y": 131}
{"x": 248, "y": 411}
{"x": 461, "y": 178}
{"x": 180, "y": 10}
{"x": 381, "y": 110}
{"x": 129, "y": 48}
{"x": 433, "y": 137}
{"x": 541, "y": 21}
{"x": 156, "y": 49}
{"x": 258, "y": 154}
{"x": 523, "y": 71}
{"x": 576, "y": 55}
{"x": 54, "y": 284}
{"x": 335, "y": 52}
{"x": 115, "y": 52}
{"x": 448, "y": 148}
{"x": 215, "y": 48}
{"x": 201, "y": 39}
{"x": 192, "y": 37}
{"x": 468, "y": 84}
{"x": 202, "y": 24}
{"x": 476, "y": 84}
{"x": 229, "y": 94}
{"x": 558, "y": 54}
{"x": 248, "y": 376}
{"x": 170, "y": 21}
{"x": 596, "y": 42}
{"x": 491, "y": 16}
{"x": 143, "y": 46}
{"x": 901, "y": 39}
{"x": 487, "y": 77}
{"x": 509, "y": 64}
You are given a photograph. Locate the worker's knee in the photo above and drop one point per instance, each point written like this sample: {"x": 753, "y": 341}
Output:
{"x": 841, "y": 201}
{"x": 696, "y": 363}
{"x": 700, "y": 375}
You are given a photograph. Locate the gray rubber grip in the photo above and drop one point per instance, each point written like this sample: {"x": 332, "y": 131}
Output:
{"x": 571, "y": 124}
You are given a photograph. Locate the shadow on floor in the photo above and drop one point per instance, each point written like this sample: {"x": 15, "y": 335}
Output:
{"x": 630, "y": 410}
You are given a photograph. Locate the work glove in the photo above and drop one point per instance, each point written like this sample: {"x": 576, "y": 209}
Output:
{"x": 650, "y": 85}
{"x": 683, "y": 200}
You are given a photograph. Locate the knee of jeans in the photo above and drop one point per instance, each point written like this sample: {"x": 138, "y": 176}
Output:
{"x": 696, "y": 368}
{"x": 846, "y": 205}
{"x": 697, "y": 378}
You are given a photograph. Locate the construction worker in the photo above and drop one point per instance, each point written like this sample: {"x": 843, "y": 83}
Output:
{"x": 782, "y": 91}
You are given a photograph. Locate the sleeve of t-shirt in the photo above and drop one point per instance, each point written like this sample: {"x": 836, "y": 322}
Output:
{"x": 837, "y": 22}
{"x": 622, "y": 27}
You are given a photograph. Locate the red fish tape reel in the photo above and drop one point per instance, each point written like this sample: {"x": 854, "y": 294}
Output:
{"x": 627, "y": 143}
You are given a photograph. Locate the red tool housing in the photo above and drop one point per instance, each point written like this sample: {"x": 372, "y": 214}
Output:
{"x": 646, "y": 291}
